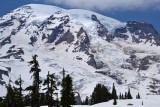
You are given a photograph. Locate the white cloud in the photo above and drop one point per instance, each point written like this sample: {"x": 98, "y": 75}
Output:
{"x": 108, "y": 4}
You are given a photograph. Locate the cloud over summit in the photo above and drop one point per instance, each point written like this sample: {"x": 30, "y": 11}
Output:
{"x": 108, "y": 4}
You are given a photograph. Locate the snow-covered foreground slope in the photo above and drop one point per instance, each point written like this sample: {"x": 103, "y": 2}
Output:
{"x": 91, "y": 48}
{"x": 149, "y": 101}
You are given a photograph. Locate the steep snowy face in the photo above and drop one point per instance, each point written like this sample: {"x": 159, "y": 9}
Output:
{"x": 91, "y": 47}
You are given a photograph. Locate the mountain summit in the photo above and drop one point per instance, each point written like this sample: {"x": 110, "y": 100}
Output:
{"x": 92, "y": 48}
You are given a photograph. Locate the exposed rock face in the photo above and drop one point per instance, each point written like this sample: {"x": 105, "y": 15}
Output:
{"x": 101, "y": 29}
{"x": 83, "y": 41}
{"x": 120, "y": 33}
{"x": 13, "y": 52}
{"x": 92, "y": 61}
{"x": 6, "y": 23}
{"x": 140, "y": 63}
{"x": 55, "y": 32}
{"x": 58, "y": 30}
{"x": 145, "y": 28}
{"x": 140, "y": 32}
{"x": 7, "y": 40}
{"x": 4, "y": 72}
{"x": 68, "y": 37}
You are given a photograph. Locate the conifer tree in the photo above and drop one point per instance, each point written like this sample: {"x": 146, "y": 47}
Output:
{"x": 18, "y": 92}
{"x": 47, "y": 84}
{"x": 97, "y": 94}
{"x": 12, "y": 98}
{"x": 120, "y": 96}
{"x": 2, "y": 102}
{"x": 129, "y": 96}
{"x": 27, "y": 100}
{"x": 51, "y": 87}
{"x": 100, "y": 94}
{"x": 126, "y": 95}
{"x": 123, "y": 97}
{"x": 36, "y": 81}
{"x": 42, "y": 99}
{"x": 67, "y": 95}
{"x": 63, "y": 73}
{"x": 105, "y": 95}
{"x": 9, "y": 98}
{"x": 138, "y": 96}
{"x": 86, "y": 101}
{"x": 114, "y": 93}
{"x": 114, "y": 101}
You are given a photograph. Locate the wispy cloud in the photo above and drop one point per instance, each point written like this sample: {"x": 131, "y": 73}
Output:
{"x": 108, "y": 4}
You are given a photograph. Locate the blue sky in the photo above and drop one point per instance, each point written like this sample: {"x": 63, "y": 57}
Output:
{"x": 123, "y": 10}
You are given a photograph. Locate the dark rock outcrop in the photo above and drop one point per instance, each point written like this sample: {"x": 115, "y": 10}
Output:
{"x": 92, "y": 61}
{"x": 83, "y": 41}
{"x": 33, "y": 40}
{"x": 4, "y": 72}
{"x": 16, "y": 53}
{"x": 68, "y": 37}
{"x": 7, "y": 40}
{"x": 102, "y": 31}
{"x": 140, "y": 32}
{"x": 55, "y": 32}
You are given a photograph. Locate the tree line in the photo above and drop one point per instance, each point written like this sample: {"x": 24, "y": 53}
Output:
{"x": 43, "y": 92}
{"x": 36, "y": 97}
{"x": 102, "y": 94}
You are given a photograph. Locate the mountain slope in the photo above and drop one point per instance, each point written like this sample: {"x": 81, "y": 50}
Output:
{"x": 91, "y": 47}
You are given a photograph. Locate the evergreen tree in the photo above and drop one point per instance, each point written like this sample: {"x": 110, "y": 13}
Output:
{"x": 2, "y": 102}
{"x": 19, "y": 82}
{"x": 93, "y": 98}
{"x": 100, "y": 94}
{"x": 36, "y": 82}
{"x": 67, "y": 95}
{"x": 51, "y": 87}
{"x": 129, "y": 96}
{"x": 123, "y": 97}
{"x": 47, "y": 84}
{"x": 13, "y": 97}
{"x": 18, "y": 92}
{"x": 9, "y": 98}
{"x": 138, "y": 96}
{"x": 19, "y": 102}
{"x": 120, "y": 96}
{"x": 86, "y": 101}
{"x": 114, "y": 101}
{"x": 42, "y": 99}
{"x": 126, "y": 95}
{"x": 105, "y": 95}
{"x": 63, "y": 73}
{"x": 27, "y": 100}
{"x": 114, "y": 93}
{"x": 97, "y": 94}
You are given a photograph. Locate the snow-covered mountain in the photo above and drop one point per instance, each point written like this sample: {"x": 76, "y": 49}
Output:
{"x": 91, "y": 47}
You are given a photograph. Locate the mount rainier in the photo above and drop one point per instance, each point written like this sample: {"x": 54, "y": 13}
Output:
{"x": 91, "y": 48}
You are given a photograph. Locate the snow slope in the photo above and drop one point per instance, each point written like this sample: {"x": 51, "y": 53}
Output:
{"x": 149, "y": 101}
{"x": 77, "y": 40}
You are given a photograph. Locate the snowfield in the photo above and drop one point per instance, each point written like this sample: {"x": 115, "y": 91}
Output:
{"x": 149, "y": 101}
